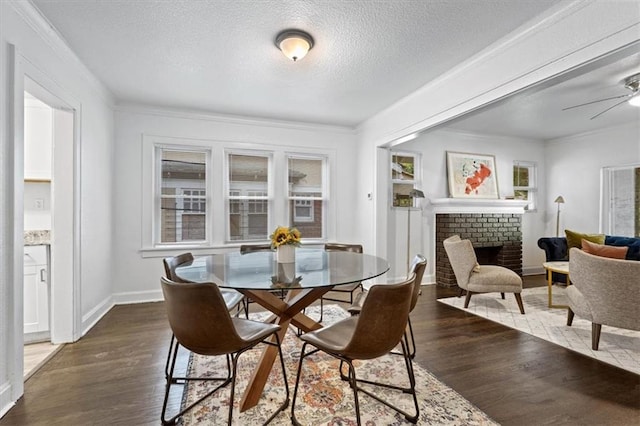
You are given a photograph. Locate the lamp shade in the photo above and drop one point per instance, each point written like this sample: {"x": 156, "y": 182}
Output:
{"x": 559, "y": 200}
{"x": 416, "y": 193}
{"x": 294, "y": 44}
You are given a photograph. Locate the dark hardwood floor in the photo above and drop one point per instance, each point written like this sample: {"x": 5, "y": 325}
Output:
{"x": 115, "y": 374}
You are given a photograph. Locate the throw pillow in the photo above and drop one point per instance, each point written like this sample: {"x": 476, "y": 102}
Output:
{"x": 603, "y": 250}
{"x": 574, "y": 239}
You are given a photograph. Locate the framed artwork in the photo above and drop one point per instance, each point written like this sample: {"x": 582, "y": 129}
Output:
{"x": 471, "y": 175}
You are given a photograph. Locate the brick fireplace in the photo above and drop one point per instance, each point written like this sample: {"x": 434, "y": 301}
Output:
{"x": 494, "y": 230}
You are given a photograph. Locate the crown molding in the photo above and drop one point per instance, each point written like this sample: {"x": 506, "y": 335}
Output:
{"x": 596, "y": 132}
{"x": 32, "y": 16}
{"x": 187, "y": 114}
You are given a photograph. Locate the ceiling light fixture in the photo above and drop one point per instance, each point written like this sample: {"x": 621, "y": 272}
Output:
{"x": 635, "y": 100}
{"x": 294, "y": 44}
{"x": 633, "y": 83}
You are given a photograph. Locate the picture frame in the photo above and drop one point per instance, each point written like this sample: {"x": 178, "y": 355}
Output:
{"x": 472, "y": 175}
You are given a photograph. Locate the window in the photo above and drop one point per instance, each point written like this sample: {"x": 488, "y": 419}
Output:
{"x": 403, "y": 178}
{"x": 183, "y": 195}
{"x": 524, "y": 183}
{"x": 210, "y": 194}
{"x": 620, "y": 195}
{"x": 307, "y": 196}
{"x": 248, "y": 199}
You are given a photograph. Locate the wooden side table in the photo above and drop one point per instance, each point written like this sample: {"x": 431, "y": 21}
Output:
{"x": 560, "y": 268}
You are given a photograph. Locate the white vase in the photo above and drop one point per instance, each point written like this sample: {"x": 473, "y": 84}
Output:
{"x": 286, "y": 254}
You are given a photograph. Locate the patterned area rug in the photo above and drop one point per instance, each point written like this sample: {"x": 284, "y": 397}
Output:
{"x": 324, "y": 399}
{"x": 617, "y": 347}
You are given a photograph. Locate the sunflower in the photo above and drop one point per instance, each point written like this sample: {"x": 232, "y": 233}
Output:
{"x": 284, "y": 235}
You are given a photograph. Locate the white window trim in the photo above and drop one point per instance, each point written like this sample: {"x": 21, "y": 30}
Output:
{"x": 417, "y": 175}
{"x": 325, "y": 191}
{"x": 227, "y": 189}
{"x": 532, "y": 190}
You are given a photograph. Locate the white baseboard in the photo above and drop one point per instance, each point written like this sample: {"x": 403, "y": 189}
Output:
{"x": 6, "y": 401}
{"x": 130, "y": 297}
{"x": 532, "y": 270}
{"x": 92, "y": 317}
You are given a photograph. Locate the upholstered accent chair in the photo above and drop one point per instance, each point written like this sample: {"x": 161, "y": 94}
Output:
{"x": 378, "y": 329}
{"x": 604, "y": 291}
{"x": 475, "y": 278}
{"x": 201, "y": 322}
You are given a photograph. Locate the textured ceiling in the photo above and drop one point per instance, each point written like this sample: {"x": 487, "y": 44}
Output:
{"x": 538, "y": 113}
{"x": 219, "y": 56}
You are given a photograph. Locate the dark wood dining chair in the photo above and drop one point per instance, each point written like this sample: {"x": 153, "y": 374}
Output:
{"x": 378, "y": 329}
{"x": 232, "y": 299}
{"x": 341, "y": 289}
{"x": 201, "y": 323}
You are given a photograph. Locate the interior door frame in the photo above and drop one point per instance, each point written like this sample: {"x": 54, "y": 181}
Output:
{"x": 66, "y": 310}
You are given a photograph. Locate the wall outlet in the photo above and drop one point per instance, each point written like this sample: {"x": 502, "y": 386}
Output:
{"x": 39, "y": 204}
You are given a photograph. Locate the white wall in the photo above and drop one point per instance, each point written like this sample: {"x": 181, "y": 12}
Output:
{"x": 573, "y": 171}
{"x": 49, "y": 59}
{"x": 433, "y": 147}
{"x": 37, "y": 218}
{"x": 137, "y": 276}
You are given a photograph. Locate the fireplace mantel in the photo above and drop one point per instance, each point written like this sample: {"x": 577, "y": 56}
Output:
{"x": 476, "y": 205}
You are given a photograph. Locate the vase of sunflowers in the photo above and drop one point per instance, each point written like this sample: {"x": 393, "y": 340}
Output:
{"x": 285, "y": 240}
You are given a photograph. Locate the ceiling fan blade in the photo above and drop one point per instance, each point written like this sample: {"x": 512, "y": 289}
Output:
{"x": 599, "y": 100}
{"x": 608, "y": 109}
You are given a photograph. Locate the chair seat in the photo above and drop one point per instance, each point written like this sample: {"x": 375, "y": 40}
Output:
{"x": 493, "y": 278}
{"x": 333, "y": 338}
{"x": 252, "y": 331}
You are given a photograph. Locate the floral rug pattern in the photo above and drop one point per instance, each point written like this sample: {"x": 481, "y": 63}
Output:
{"x": 324, "y": 399}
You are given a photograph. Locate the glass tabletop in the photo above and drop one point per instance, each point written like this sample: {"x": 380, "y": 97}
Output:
{"x": 260, "y": 271}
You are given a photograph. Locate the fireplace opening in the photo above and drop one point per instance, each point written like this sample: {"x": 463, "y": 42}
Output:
{"x": 488, "y": 255}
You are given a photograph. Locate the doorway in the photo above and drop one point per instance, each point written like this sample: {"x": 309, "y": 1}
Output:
{"x": 49, "y": 219}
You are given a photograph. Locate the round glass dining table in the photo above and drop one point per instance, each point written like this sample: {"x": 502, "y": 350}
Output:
{"x": 260, "y": 277}
{"x": 260, "y": 271}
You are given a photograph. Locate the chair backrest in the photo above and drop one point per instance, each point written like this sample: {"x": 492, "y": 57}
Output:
{"x": 251, "y": 248}
{"x": 355, "y": 248}
{"x": 199, "y": 318}
{"x": 418, "y": 265}
{"x": 382, "y": 320}
{"x": 611, "y": 288}
{"x": 461, "y": 257}
{"x": 171, "y": 263}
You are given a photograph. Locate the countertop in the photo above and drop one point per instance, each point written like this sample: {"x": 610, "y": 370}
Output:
{"x": 37, "y": 238}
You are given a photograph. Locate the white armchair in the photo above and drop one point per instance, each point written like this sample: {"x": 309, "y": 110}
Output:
{"x": 475, "y": 278}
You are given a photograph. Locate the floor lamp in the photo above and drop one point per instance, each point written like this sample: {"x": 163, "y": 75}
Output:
{"x": 415, "y": 193}
{"x": 558, "y": 201}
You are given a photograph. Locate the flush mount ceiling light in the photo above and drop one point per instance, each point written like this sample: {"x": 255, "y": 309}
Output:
{"x": 294, "y": 44}
{"x": 633, "y": 83}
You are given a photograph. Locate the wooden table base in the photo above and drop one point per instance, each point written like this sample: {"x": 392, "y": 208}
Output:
{"x": 285, "y": 312}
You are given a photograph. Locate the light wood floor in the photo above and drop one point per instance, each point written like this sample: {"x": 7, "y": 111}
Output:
{"x": 36, "y": 355}
{"x": 115, "y": 374}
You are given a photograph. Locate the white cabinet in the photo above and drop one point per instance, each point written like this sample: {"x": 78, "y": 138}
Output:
{"x": 38, "y": 136}
{"x": 36, "y": 291}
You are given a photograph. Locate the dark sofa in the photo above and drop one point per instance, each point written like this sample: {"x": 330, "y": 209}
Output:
{"x": 555, "y": 249}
